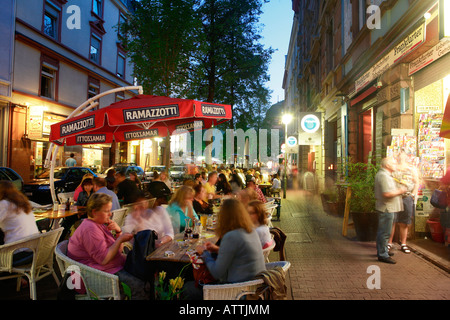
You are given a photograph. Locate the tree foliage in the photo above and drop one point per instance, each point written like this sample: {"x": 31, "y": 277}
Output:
{"x": 202, "y": 49}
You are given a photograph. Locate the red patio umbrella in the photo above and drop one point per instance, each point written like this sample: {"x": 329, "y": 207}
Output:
{"x": 140, "y": 117}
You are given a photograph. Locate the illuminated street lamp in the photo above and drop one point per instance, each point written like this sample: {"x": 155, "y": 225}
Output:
{"x": 286, "y": 119}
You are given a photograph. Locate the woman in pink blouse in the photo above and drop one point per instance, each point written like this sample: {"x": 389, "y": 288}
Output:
{"x": 94, "y": 244}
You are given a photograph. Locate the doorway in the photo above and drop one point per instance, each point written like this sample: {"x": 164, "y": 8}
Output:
{"x": 365, "y": 138}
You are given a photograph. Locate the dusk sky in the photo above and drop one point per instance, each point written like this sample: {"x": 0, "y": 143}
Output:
{"x": 276, "y": 31}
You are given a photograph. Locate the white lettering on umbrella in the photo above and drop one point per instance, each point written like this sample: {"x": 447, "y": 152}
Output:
{"x": 131, "y": 135}
{"x": 211, "y": 110}
{"x": 190, "y": 125}
{"x": 77, "y": 126}
{"x": 145, "y": 114}
{"x": 93, "y": 138}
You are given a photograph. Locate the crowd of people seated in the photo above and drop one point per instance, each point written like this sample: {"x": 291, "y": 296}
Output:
{"x": 98, "y": 241}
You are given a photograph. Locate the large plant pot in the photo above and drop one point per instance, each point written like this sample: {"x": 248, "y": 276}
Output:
{"x": 324, "y": 197}
{"x": 366, "y": 225}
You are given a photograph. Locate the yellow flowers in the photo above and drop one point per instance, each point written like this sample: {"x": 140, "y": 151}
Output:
{"x": 171, "y": 289}
{"x": 176, "y": 284}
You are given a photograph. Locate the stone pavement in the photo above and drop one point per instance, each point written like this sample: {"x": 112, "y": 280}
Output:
{"x": 326, "y": 265}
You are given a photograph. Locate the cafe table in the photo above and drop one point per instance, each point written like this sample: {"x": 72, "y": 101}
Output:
{"x": 172, "y": 257}
{"x": 58, "y": 211}
{"x": 264, "y": 187}
{"x": 178, "y": 250}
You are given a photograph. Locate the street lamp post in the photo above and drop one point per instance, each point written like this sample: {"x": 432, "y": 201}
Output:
{"x": 286, "y": 119}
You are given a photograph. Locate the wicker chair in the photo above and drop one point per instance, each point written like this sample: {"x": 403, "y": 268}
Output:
{"x": 270, "y": 209}
{"x": 104, "y": 285}
{"x": 267, "y": 250}
{"x": 235, "y": 291}
{"x": 43, "y": 246}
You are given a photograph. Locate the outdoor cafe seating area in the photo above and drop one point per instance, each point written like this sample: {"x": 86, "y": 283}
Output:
{"x": 50, "y": 250}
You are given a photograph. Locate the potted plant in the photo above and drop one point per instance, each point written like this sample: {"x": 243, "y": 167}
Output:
{"x": 330, "y": 201}
{"x": 361, "y": 180}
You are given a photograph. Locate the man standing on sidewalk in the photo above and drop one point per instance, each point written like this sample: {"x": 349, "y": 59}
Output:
{"x": 388, "y": 202}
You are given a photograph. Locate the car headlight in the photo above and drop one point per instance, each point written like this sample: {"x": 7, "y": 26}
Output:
{"x": 44, "y": 188}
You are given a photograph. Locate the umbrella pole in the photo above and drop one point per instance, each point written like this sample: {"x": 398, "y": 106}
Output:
{"x": 50, "y": 161}
{"x": 52, "y": 174}
{"x": 53, "y": 150}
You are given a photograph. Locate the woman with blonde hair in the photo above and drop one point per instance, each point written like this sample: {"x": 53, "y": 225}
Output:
{"x": 16, "y": 219}
{"x": 240, "y": 257}
{"x": 94, "y": 244}
{"x": 258, "y": 215}
{"x": 181, "y": 208}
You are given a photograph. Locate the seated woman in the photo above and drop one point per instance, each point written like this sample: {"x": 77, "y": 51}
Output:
{"x": 240, "y": 257}
{"x": 111, "y": 179}
{"x": 223, "y": 186}
{"x": 258, "y": 216}
{"x": 16, "y": 220}
{"x": 201, "y": 206}
{"x": 143, "y": 218}
{"x": 94, "y": 245}
{"x": 87, "y": 186}
{"x": 181, "y": 208}
{"x": 87, "y": 190}
{"x": 79, "y": 189}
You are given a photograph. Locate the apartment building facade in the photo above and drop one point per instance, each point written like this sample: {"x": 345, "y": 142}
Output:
{"x": 359, "y": 65}
{"x": 59, "y": 54}
{"x": 378, "y": 74}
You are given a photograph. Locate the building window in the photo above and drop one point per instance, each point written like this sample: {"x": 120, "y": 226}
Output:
{"x": 122, "y": 20}
{"x": 97, "y": 7}
{"x": 95, "y": 51}
{"x": 121, "y": 65}
{"x": 50, "y": 25}
{"x": 52, "y": 16}
{"x": 362, "y": 14}
{"x": 93, "y": 90}
{"x": 48, "y": 79}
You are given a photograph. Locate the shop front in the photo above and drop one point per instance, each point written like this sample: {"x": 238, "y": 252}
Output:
{"x": 431, "y": 74}
{"x": 29, "y": 141}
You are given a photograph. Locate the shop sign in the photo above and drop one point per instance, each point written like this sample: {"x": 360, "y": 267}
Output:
{"x": 435, "y": 53}
{"x": 292, "y": 145}
{"x": 402, "y": 49}
{"x": 35, "y": 123}
{"x": 310, "y": 132}
{"x": 429, "y": 109}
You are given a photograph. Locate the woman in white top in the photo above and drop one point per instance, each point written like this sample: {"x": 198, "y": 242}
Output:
{"x": 16, "y": 219}
{"x": 143, "y": 218}
{"x": 258, "y": 216}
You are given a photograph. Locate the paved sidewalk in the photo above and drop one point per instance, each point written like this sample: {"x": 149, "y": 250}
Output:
{"x": 325, "y": 265}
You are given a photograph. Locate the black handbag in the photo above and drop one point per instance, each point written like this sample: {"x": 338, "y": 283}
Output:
{"x": 136, "y": 262}
{"x": 439, "y": 199}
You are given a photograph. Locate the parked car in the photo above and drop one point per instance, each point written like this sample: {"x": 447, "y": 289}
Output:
{"x": 149, "y": 171}
{"x": 10, "y": 175}
{"x": 177, "y": 172}
{"x": 126, "y": 168}
{"x": 67, "y": 179}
